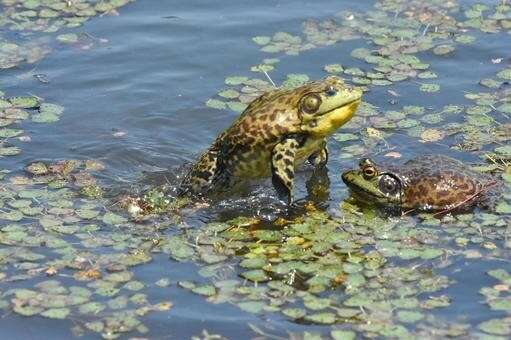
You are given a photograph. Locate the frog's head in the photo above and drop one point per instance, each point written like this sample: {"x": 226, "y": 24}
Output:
{"x": 317, "y": 109}
{"x": 326, "y": 105}
{"x": 372, "y": 184}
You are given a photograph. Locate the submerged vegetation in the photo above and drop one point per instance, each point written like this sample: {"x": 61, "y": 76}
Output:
{"x": 69, "y": 252}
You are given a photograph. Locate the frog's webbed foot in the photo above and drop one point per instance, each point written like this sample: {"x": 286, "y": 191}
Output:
{"x": 319, "y": 158}
{"x": 283, "y": 168}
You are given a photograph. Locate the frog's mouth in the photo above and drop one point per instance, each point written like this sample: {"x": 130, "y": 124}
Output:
{"x": 372, "y": 198}
{"x": 341, "y": 106}
{"x": 366, "y": 196}
{"x": 326, "y": 123}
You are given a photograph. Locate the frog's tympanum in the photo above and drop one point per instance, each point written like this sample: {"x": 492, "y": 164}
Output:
{"x": 425, "y": 183}
{"x": 276, "y": 132}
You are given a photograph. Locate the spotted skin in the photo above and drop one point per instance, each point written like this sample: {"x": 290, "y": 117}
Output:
{"x": 425, "y": 183}
{"x": 270, "y": 126}
{"x": 283, "y": 167}
{"x": 202, "y": 175}
{"x": 443, "y": 182}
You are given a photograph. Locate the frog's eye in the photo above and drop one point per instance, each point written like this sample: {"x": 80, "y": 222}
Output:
{"x": 388, "y": 184}
{"x": 311, "y": 103}
{"x": 369, "y": 172}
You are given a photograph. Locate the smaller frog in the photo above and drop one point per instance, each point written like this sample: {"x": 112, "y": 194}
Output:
{"x": 426, "y": 183}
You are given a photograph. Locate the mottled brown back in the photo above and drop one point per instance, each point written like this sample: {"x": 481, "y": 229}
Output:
{"x": 438, "y": 182}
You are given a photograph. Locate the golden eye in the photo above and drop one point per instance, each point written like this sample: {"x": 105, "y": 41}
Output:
{"x": 369, "y": 172}
{"x": 311, "y": 103}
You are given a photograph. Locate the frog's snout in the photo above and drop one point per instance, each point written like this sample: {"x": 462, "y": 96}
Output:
{"x": 347, "y": 176}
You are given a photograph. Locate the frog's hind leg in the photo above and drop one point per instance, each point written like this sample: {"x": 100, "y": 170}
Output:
{"x": 201, "y": 177}
{"x": 283, "y": 167}
{"x": 319, "y": 158}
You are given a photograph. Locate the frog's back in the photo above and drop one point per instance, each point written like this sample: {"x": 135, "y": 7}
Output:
{"x": 435, "y": 182}
{"x": 244, "y": 149}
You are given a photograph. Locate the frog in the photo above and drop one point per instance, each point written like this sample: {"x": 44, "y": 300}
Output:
{"x": 425, "y": 183}
{"x": 277, "y": 132}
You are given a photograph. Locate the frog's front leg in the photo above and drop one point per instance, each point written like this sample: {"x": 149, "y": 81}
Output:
{"x": 283, "y": 167}
{"x": 319, "y": 158}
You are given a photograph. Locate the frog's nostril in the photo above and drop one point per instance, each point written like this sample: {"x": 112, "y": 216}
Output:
{"x": 331, "y": 91}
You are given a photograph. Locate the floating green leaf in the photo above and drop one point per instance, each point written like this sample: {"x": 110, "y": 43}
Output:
{"x": 56, "y": 313}
{"x": 216, "y": 104}
{"x": 430, "y": 87}
{"x": 68, "y": 38}
{"x": 24, "y": 102}
{"x": 443, "y": 49}
{"x": 111, "y": 218}
{"x": 496, "y": 326}
{"x": 338, "y": 334}
{"x": 262, "y": 40}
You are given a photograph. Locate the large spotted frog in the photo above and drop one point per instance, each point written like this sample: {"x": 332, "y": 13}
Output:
{"x": 276, "y": 132}
{"x": 425, "y": 183}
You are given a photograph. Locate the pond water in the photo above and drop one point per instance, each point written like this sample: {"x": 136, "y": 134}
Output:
{"x": 142, "y": 85}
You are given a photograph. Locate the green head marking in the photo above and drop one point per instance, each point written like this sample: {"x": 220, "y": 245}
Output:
{"x": 327, "y": 106}
{"x": 370, "y": 185}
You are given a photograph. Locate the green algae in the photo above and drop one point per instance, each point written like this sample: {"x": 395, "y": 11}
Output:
{"x": 46, "y": 17}
{"x": 51, "y": 16}
{"x": 13, "y": 54}
{"x": 17, "y": 109}
{"x": 63, "y": 223}
{"x": 351, "y": 269}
